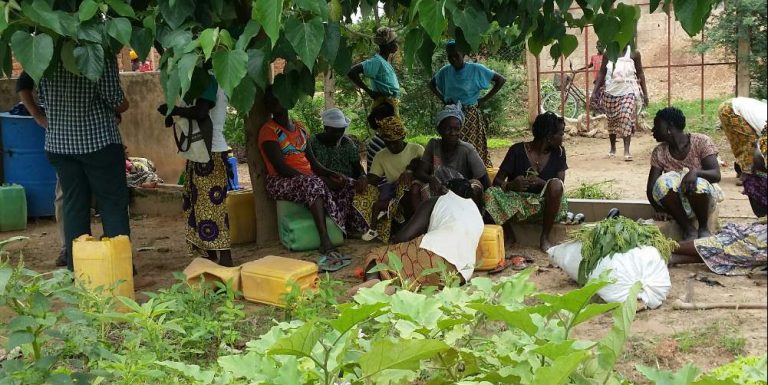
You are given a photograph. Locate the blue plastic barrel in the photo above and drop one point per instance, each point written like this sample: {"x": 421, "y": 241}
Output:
{"x": 233, "y": 183}
{"x": 25, "y": 163}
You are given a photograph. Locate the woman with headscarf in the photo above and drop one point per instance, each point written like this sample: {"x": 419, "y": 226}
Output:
{"x": 449, "y": 157}
{"x": 736, "y": 249}
{"x": 384, "y": 85}
{"x": 333, "y": 148}
{"x": 529, "y": 184}
{"x": 390, "y": 177}
{"x": 461, "y": 82}
{"x": 623, "y": 95}
{"x": 742, "y": 121}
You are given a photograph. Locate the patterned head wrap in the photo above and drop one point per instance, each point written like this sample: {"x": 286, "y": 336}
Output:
{"x": 451, "y": 110}
{"x": 391, "y": 129}
{"x": 384, "y": 36}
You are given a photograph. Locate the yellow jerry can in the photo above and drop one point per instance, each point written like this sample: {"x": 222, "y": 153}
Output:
{"x": 205, "y": 270}
{"x": 490, "y": 250}
{"x": 266, "y": 280}
{"x": 242, "y": 216}
{"x": 104, "y": 263}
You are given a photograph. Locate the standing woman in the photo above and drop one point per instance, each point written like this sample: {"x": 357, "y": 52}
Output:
{"x": 461, "y": 82}
{"x": 623, "y": 89}
{"x": 205, "y": 187}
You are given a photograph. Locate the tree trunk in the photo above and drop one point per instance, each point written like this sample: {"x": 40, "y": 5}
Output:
{"x": 266, "y": 214}
{"x": 533, "y": 90}
{"x": 742, "y": 61}
{"x": 329, "y": 88}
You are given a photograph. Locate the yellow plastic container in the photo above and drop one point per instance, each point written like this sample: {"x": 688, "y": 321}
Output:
{"x": 104, "y": 263}
{"x": 266, "y": 280}
{"x": 492, "y": 173}
{"x": 205, "y": 270}
{"x": 242, "y": 216}
{"x": 490, "y": 250}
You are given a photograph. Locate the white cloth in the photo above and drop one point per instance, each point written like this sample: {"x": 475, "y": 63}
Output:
{"x": 218, "y": 116}
{"x": 754, "y": 112}
{"x": 621, "y": 78}
{"x": 455, "y": 228}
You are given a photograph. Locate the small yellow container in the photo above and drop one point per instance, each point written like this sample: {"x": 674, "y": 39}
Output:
{"x": 492, "y": 173}
{"x": 242, "y": 216}
{"x": 490, "y": 250}
{"x": 266, "y": 280}
{"x": 104, "y": 263}
{"x": 205, "y": 270}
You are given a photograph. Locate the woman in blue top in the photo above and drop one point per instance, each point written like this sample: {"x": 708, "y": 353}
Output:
{"x": 462, "y": 82}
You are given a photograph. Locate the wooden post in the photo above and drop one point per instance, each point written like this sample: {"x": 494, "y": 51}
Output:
{"x": 533, "y": 92}
{"x": 742, "y": 62}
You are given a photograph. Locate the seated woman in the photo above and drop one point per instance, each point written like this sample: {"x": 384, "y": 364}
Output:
{"x": 756, "y": 182}
{"x": 295, "y": 175}
{"x": 333, "y": 149}
{"x": 444, "y": 231}
{"x": 529, "y": 184}
{"x": 684, "y": 173}
{"x": 375, "y": 144}
{"x": 735, "y": 249}
{"x": 448, "y": 158}
{"x": 379, "y": 193}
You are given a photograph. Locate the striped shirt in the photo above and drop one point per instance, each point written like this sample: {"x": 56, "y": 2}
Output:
{"x": 374, "y": 145}
{"x": 81, "y": 113}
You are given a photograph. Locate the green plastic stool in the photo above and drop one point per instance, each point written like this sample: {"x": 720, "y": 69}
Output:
{"x": 297, "y": 229}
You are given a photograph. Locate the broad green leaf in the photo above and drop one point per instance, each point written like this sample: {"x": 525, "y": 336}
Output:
{"x": 88, "y": 9}
{"x": 402, "y": 354}
{"x": 5, "y": 275}
{"x": 595, "y": 5}
{"x": 176, "y": 14}
{"x": 19, "y": 338}
{"x": 568, "y": 44}
{"x": 606, "y": 27}
{"x": 269, "y": 14}
{"x": 610, "y": 348}
{"x": 90, "y": 60}
{"x": 34, "y": 53}
{"x": 519, "y": 319}
{"x": 284, "y": 88}
{"x": 171, "y": 89}
{"x": 306, "y": 37}
{"x": 241, "y": 365}
{"x": 331, "y": 42}
{"x": 692, "y": 14}
{"x": 592, "y": 310}
{"x": 343, "y": 61}
{"x": 473, "y": 24}
{"x": 59, "y": 379}
{"x": 204, "y": 377}
{"x": 185, "y": 67}
{"x": 559, "y": 370}
{"x": 251, "y": 30}
{"x": 413, "y": 40}
{"x": 141, "y": 42}
{"x": 517, "y": 288}
{"x": 535, "y": 45}
{"x": 554, "y": 350}
{"x": 257, "y": 66}
{"x": 207, "y": 41}
{"x": 425, "y": 53}
{"x": 433, "y": 20}
{"x": 573, "y": 301}
{"x": 317, "y": 7}
{"x": 92, "y": 31}
{"x": 40, "y": 11}
{"x": 654, "y": 5}
{"x": 419, "y": 308}
{"x": 563, "y": 5}
{"x": 684, "y": 376}
{"x": 21, "y": 323}
{"x": 230, "y": 67}
{"x": 226, "y": 39}
{"x": 120, "y": 29}
{"x": 121, "y": 8}
{"x": 628, "y": 16}
{"x": 300, "y": 342}
{"x": 177, "y": 39}
{"x": 243, "y": 96}
{"x": 351, "y": 315}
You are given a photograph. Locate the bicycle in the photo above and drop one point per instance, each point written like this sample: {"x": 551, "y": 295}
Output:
{"x": 575, "y": 98}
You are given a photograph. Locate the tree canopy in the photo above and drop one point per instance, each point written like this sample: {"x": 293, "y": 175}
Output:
{"x": 241, "y": 37}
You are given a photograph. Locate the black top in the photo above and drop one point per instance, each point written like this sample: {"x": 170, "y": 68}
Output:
{"x": 24, "y": 82}
{"x": 516, "y": 163}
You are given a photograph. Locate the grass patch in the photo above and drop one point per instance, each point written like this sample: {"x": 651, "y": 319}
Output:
{"x": 725, "y": 335}
{"x": 600, "y": 190}
{"x": 695, "y": 121}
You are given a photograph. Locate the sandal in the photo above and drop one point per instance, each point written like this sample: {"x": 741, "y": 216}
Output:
{"x": 369, "y": 235}
{"x": 517, "y": 262}
{"x": 333, "y": 261}
{"x": 628, "y": 158}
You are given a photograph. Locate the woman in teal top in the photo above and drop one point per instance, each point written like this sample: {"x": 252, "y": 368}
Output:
{"x": 462, "y": 82}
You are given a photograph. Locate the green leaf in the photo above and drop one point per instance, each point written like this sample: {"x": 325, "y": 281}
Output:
{"x": 331, "y": 42}
{"x": 204, "y": 377}
{"x": 34, "y": 53}
{"x": 171, "y": 90}
{"x": 610, "y": 348}
{"x": 654, "y": 5}
{"x": 425, "y": 53}
{"x": 176, "y": 14}
{"x": 317, "y": 7}
{"x": 87, "y": 10}
{"x": 432, "y": 19}
{"x": 244, "y": 95}
{"x": 593, "y": 310}
{"x": 352, "y": 314}
{"x": 185, "y": 67}
{"x": 5, "y": 275}
{"x": 121, "y": 8}
{"x": 402, "y": 354}
{"x": 300, "y": 342}
{"x": 575, "y": 300}
{"x": 535, "y": 45}
{"x": 473, "y": 24}
{"x": 692, "y": 14}
{"x": 141, "y": 42}
{"x": 413, "y": 40}
{"x": 19, "y": 338}
{"x": 251, "y": 30}
{"x": 519, "y": 319}
{"x": 90, "y": 60}
{"x": 306, "y": 38}
{"x": 208, "y": 40}
{"x": 269, "y": 14}
{"x": 684, "y": 376}
{"x": 6, "y": 63}
{"x": 40, "y": 11}
{"x": 92, "y": 31}
{"x": 343, "y": 61}
{"x": 120, "y": 29}
{"x": 568, "y": 44}
{"x": 257, "y": 66}
{"x": 21, "y": 323}
{"x": 419, "y": 308}
{"x": 628, "y": 16}
{"x": 559, "y": 370}
{"x": 226, "y": 39}
{"x": 563, "y": 5}
{"x": 554, "y": 350}
{"x": 606, "y": 27}
{"x": 230, "y": 67}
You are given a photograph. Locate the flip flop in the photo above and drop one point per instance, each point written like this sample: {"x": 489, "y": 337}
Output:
{"x": 516, "y": 262}
{"x": 628, "y": 158}
{"x": 332, "y": 261}
{"x": 369, "y": 235}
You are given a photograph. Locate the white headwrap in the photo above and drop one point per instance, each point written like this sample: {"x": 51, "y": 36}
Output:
{"x": 451, "y": 110}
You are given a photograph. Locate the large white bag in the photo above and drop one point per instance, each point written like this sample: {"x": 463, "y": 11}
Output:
{"x": 189, "y": 140}
{"x": 643, "y": 264}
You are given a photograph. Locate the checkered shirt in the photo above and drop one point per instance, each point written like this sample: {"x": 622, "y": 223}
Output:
{"x": 81, "y": 113}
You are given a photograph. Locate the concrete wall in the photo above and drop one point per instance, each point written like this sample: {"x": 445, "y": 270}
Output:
{"x": 142, "y": 128}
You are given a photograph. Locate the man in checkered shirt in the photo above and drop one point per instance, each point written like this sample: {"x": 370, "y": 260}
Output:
{"x": 83, "y": 144}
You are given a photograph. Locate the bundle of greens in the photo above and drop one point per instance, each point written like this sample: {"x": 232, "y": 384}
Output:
{"x": 617, "y": 235}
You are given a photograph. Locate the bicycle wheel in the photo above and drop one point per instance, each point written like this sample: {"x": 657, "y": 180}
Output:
{"x": 552, "y": 103}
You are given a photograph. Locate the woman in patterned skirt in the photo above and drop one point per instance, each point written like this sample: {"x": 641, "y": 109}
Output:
{"x": 460, "y": 83}
{"x": 742, "y": 121}
{"x": 205, "y": 186}
{"x": 623, "y": 94}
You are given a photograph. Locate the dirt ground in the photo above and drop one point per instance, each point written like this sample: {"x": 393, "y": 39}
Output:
{"x": 664, "y": 337}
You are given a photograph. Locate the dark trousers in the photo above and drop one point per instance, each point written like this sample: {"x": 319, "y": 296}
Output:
{"x": 100, "y": 174}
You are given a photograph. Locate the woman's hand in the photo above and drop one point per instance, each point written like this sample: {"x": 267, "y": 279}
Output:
{"x": 436, "y": 186}
{"x": 688, "y": 183}
{"x": 519, "y": 184}
{"x": 406, "y": 179}
{"x": 536, "y": 181}
{"x": 361, "y": 184}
